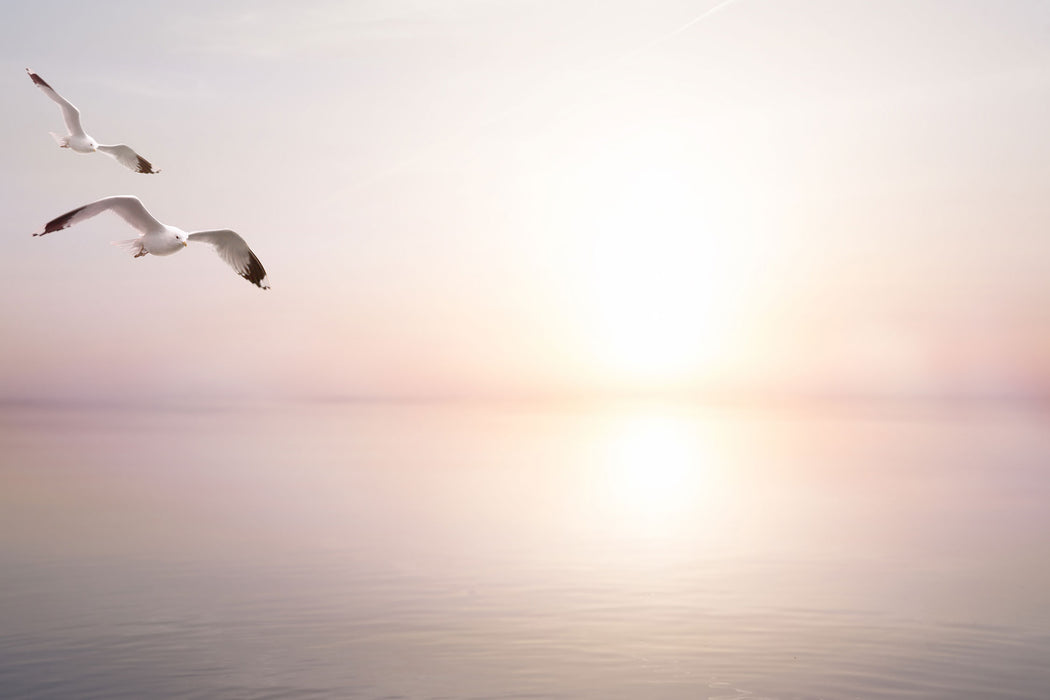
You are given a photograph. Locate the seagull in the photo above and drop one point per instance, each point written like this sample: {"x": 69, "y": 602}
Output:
{"x": 161, "y": 239}
{"x": 77, "y": 140}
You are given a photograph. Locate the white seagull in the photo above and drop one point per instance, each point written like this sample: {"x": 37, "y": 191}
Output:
{"x": 77, "y": 139}
{"x": 160, "y": 239}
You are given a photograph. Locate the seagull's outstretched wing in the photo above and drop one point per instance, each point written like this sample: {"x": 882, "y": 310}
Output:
{"x": 232, "y": 248}
{"x": 126, "y": 207}
{"x": 128, "y": 158}
{"x": 70, "y": 114}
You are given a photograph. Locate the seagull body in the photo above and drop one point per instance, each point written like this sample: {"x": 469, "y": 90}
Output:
{"x": 78, "y": 141}
{"x": 156, "y": 238}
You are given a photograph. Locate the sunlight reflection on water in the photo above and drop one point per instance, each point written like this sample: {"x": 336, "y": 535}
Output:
{"x": 656, "y": 551}
{"x": 654, "y": 470}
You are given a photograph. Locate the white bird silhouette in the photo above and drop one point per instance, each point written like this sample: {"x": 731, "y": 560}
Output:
{"x": 160, "y": 239}
{"x": 79, "y": 141}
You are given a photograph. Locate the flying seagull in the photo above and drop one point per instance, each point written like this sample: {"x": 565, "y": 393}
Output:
{"x": 77, "y": 140}
{"x": 161, "y": 239}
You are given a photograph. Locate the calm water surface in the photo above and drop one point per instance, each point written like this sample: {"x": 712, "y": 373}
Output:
{"x": 433, "y": 551}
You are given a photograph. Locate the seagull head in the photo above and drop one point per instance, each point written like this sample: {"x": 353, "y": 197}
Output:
{"x": 181, "y": 238}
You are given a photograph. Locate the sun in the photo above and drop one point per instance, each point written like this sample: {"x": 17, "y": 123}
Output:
{"x": 657, "y": 274}
{"x": 655, "y": 289}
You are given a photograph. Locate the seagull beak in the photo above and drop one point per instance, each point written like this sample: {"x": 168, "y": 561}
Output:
{"x": 184, "y": 244}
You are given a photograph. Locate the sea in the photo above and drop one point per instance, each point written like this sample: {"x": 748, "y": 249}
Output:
{"x": 643, "y": 550}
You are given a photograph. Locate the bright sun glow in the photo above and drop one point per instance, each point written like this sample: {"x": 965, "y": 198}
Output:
{"x": 658, "y": 270}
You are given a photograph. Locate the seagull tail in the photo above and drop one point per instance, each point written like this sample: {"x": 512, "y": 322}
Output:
{"x": 62, "y": 141}
{"x": 132, "y": 245}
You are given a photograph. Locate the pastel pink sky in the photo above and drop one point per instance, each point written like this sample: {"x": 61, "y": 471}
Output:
{"x": 468, "y": 197}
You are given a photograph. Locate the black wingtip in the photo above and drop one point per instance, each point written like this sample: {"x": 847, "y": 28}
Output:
{"x": 59, "y": 223}
{"x": 255, "y": 273}
{"x": 145, "y": 167}
{"x": 37, "y": 80}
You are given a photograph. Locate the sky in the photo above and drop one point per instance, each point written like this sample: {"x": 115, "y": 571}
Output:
{"x": 518, "y": 198}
